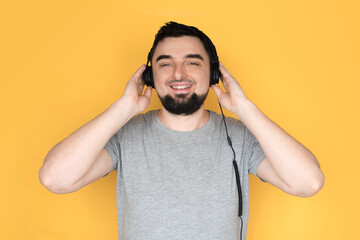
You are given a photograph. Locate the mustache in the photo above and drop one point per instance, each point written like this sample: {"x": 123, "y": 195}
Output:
{"x": 180, "y": 81}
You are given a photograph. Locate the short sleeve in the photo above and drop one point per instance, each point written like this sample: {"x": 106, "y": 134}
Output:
{"x": 113, "y": 149}
{"x": 254, "y": 154}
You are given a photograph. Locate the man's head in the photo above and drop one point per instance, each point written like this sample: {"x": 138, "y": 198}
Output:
{"x": 174, "y": 29}
{"x": 183, "y": 63}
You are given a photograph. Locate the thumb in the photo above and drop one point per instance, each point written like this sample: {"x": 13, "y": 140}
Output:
{"x": 218, "y": 91}
{"x": 148, "y": 92}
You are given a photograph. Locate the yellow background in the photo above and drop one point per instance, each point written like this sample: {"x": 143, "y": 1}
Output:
{"x": 65, "y": 62}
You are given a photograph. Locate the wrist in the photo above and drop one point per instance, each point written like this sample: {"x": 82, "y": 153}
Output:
{"x": 244, "y": 108}
{"x": 123, "y": 110}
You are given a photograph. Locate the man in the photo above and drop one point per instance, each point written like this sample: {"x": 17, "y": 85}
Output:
{"x": 177, "y": 176}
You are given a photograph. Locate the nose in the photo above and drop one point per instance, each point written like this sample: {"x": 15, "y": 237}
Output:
{"x": 179, "y": 72}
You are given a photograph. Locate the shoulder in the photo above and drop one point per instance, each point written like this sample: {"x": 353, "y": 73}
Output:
{"x": 142, "y": 119}
{"x": 141, "y": 122}
{"x": 232, "y": 123}
{"x": 136, "y": 127}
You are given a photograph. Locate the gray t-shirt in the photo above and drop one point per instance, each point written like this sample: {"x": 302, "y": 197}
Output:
{"x": 182, "y": 185}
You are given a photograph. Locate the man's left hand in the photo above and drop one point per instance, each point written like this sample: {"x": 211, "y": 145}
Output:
{"x": 234, "y": 96}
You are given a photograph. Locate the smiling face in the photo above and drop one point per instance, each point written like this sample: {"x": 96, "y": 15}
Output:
{"x": 181, "y": 69}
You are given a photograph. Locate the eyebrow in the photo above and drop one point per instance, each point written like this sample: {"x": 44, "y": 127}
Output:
{"x": 198, "y": 56}
{"x": 163, "y": 57}
{"x": 194, "y": 56}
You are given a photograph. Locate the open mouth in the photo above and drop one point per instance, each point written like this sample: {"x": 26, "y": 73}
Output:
{"x": 181, "y": 87}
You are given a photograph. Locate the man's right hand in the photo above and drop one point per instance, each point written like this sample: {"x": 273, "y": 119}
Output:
{"x": 81, "y": 158}
{"x": 136, "y": 101}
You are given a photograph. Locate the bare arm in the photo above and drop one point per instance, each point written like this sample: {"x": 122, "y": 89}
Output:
{"x": 80, "y": 158}
{"x": 288, "y": 164}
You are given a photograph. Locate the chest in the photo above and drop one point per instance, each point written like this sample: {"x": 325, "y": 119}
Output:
{"x": 178, "y": 172}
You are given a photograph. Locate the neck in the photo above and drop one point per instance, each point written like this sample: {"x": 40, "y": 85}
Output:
{"x": 182, "y": 122}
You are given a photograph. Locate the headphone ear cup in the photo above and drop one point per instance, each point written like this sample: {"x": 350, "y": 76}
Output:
{"x": 148, "y": 77}
{"x": 214, "y": 73}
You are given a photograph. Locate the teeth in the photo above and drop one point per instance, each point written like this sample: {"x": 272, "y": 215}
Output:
{"x": 180, "y": 87}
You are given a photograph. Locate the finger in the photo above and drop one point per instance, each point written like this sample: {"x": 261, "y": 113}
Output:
{"x": 137, "y": 79}
{"x": 218, "y": 91}
{"x": 224, "y": 72}
{"x": 144, "y": 101}
{"x": 137, "y": 75}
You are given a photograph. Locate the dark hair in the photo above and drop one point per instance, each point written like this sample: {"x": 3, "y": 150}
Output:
{"x": 174, "y": 29}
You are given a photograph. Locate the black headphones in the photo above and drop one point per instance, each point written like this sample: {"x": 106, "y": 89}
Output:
{"x": 214, "y": 65}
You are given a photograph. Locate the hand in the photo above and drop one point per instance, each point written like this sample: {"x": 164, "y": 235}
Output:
{"x": 234, "y": 95}
{"x": 135, "y": 100}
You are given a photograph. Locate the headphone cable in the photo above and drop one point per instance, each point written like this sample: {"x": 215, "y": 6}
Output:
{"x": 236, "y": 171}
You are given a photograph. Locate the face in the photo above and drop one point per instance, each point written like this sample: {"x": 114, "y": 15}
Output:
{"x": 181, "y": 71}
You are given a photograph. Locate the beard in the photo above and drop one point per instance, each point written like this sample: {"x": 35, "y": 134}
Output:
{"x": 182, "y": 105}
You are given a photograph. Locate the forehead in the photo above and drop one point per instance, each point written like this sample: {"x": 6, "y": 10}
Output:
{"x": 179, "y": 47}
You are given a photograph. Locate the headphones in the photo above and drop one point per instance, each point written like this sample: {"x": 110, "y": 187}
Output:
{"x": 148, "y": 76}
